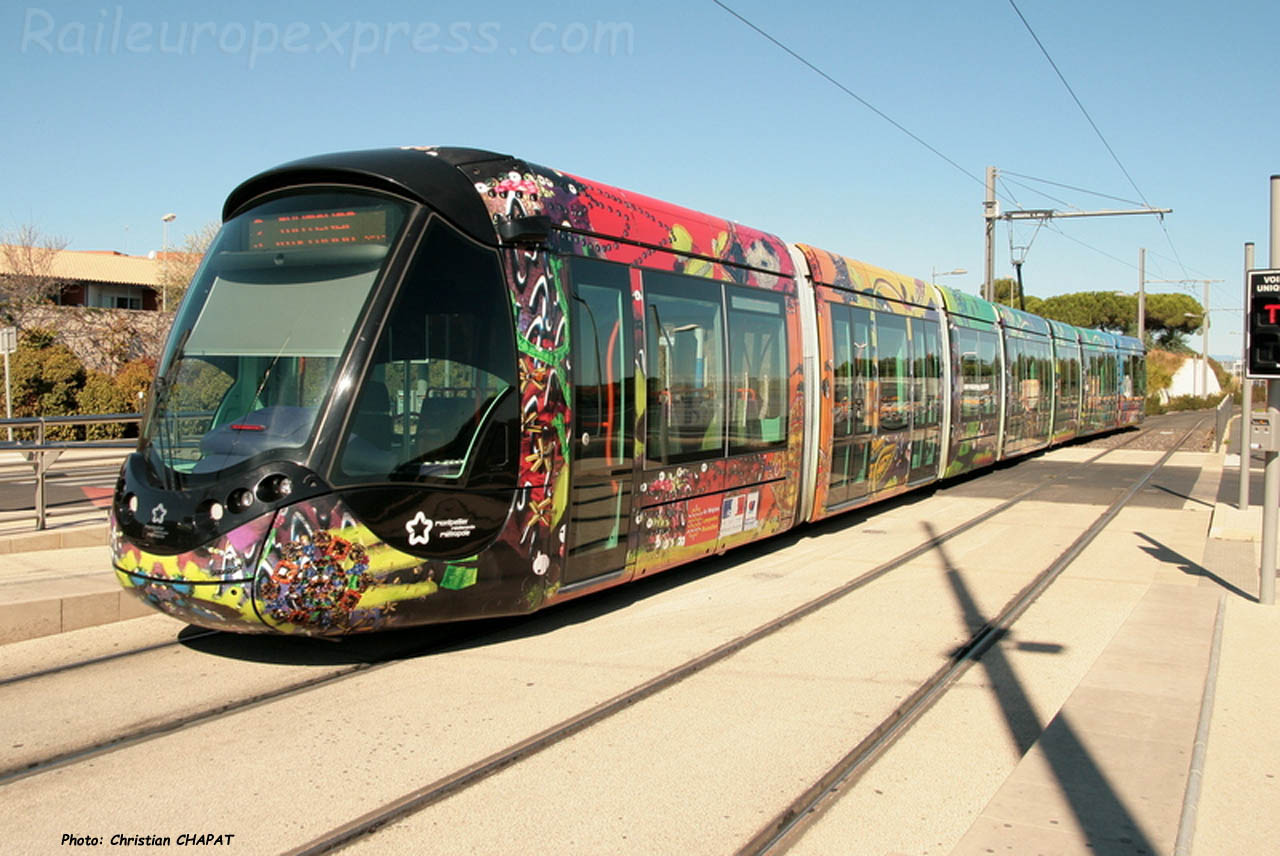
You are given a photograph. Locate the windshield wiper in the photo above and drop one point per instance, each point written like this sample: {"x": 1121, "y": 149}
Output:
{"x": 163, "y": 433}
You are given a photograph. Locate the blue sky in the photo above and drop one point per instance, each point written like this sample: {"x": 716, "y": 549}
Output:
{"x": 120, "y": 112}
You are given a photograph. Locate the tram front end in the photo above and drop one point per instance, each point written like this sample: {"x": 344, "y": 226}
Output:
{"x": 334, "y": 438}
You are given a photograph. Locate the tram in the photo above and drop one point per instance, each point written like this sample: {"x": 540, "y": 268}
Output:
{"x": 426, "y": 384}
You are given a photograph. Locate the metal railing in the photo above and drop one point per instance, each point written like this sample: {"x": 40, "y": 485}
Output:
{"x": 41, "y": 454}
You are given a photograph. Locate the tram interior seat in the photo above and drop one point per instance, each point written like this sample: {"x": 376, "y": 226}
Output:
{"x": 444, "y": 427}
{"x": 369, "y": 444}
{"x": 372, "y": 419}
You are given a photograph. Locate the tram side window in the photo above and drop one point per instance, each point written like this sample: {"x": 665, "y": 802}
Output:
{"x": 757, "y": 371}
{"x": 927, "y": 369}
{"x": 842, "y": 345}
{"x": 978, "y": 373}
{"x": 1137, "y": 377}
{"x": 895, "y": 377}
{"x": 438, "y": 399}
{"x": 602, "y": 364}
{"x": 685, "y": 346}
{"x": 1031, "y": 366}
{"x": 1093, "y": 379}
{"x": 852, "y": 368}
{"x": 863, "y": 371}
{"x": 1068, "y": 379}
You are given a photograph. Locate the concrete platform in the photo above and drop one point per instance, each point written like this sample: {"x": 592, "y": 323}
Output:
{"x": 1168, "y": 743}
{"x": 61, "y": 588}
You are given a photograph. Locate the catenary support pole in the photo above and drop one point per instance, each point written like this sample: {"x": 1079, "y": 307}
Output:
{"x": 1271, "y": 479}
{"x": 1246, "y": 391}
{"x": 1204, "y": 346}
{"x": 1142, "y": 295}
{"x": 990, "y": 212}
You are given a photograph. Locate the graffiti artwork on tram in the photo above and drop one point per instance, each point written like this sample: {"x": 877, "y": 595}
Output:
{"x": 651, "y": 233}
{"x": 679, "y": 531}
{"x": 207, "y": 586}
{"x": 537, "y": 285}
{"x": 910, "y": 297}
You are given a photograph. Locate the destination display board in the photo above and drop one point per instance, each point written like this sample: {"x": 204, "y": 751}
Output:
{"x": 1263, "y": 327}
{"x": 312, "y": 229}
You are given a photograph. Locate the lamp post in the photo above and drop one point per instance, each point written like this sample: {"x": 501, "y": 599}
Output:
{"x": 935, "y": 273}
{"x": 164, "y": 250}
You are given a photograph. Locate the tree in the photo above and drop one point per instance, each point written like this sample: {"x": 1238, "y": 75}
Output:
{"x": 26, "y": 270}
{"x": 47, "y": 378}
{"x": 1171, "y": 318}
{"x": 1101, "y": 310}
{"x": 1006, "y": 292}
{"x": 177, "y": 267}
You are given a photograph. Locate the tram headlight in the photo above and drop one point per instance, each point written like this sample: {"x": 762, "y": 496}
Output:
{"x": 240, "y": 500}
{"x": 213, "y": 509}
{"x": 274, "y": 487}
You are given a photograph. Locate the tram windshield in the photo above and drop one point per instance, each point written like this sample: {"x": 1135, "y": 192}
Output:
{"x": 256, "y": 344}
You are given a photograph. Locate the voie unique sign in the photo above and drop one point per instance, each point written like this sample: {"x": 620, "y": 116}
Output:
{"x": 1263, "y": 327}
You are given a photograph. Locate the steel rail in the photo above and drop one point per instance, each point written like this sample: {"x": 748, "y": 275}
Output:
{"x": 102, "y": 658}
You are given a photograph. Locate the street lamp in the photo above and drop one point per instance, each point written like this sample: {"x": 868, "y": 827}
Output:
{"x": 935, "y": 273}
{"x": 164, "y": 249}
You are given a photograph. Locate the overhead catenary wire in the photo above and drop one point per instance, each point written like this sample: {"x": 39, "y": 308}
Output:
{"x": 1097, "y": 131}
{"x": 1079, "y": 104}
{"x": 1005, "y": 172}
{"x": 1064, "y": 203}
{"x": 1007, "y": 195}
{"x": 847, "y": 91}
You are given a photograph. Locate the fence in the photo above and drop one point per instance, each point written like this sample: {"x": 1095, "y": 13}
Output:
{"x": 41, "y": 455}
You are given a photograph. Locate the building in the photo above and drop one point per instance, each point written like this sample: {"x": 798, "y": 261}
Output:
{"x": 103, "y": 278}
{"x": 1194, "y": 377}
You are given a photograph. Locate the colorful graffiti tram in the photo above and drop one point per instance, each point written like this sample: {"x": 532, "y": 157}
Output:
{"x": 427, "y": 384}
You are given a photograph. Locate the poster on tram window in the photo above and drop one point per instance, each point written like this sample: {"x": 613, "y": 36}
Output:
{"x": 732, "y": 513}
{"x": 703, "y": 520}
{"x": 740, "y": 513}
{"x": 750, "y": 518}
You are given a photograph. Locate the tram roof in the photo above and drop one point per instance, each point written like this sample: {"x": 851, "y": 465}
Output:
{"x": 968, "y": 305}
{"x": 1130, "y": 343}
{"x": 1017, "y": 319}
{"x": 839, "y": 271}
{"x": 1062, "y": 330}
{"x": 1096, "y": 337}
{"x": 477, "y": 189}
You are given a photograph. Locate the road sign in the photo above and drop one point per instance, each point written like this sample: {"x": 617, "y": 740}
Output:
{"x": 8, "y": 340}
{"x": 1263, "y": 329}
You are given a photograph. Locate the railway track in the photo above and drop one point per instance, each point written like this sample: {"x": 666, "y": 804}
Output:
{"x": 773, "y": 835}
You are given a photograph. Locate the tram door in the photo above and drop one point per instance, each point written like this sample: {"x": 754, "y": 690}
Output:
{"x": 852, "y": 418}
{"x": 602, "y": 440}
{"x": 926, "y": 399}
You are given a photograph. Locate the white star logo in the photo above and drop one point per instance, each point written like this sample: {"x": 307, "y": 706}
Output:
{"x": 158, "y": 514}
{"x": 419, "y": 521}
